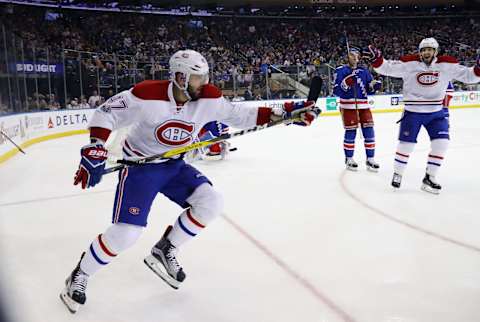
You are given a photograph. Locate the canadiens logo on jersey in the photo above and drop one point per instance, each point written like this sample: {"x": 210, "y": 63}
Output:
{"x": 427, "y": 78}
{"x": 174, "y": 133}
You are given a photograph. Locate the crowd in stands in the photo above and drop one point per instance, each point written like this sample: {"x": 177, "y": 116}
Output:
{"x": 240, "y": 51}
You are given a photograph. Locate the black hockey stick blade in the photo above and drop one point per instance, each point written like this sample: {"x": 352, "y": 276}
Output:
{"x": 315, "y": 88}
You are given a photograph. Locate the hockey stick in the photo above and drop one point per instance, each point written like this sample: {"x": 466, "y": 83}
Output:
{"x": 11, "y": 141}
{"x": 313, "y": 95}
{"x": 198, "y": 145}
{"x": 355, "y": 84}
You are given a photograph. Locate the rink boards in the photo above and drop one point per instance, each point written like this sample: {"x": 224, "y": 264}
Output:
{"x": 30, "y": 128}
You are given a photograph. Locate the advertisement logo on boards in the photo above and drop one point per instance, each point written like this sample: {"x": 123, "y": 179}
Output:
{"x": 50, "y": 123}
{"x": 331, "y": 103}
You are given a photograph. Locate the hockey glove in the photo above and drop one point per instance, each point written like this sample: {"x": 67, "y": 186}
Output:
{"x": 371, "y": 54}
{"x": 348, "y": 81}
{"x": 92, "y": 165}
{"x": 307, "y": 116}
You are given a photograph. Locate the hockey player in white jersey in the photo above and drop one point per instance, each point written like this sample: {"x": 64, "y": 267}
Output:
{"x": 162, "y": 115}
{"x": 425, "y": 79}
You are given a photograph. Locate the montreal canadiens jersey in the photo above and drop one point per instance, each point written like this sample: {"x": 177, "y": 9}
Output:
{"x": 424, "y": 85}
{"x": 347, "y": 94}
{"x": 158, "y": 125}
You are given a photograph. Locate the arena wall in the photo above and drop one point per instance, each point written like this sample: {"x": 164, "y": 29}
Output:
{"x": 30, "y": 128}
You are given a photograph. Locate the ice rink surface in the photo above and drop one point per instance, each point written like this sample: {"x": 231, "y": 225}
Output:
{"x": 301, "y": 239}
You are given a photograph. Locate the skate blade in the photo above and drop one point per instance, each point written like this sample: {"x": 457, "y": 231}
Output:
{"x": 157, "y": 268}
{"x": 71, "y": 305}
{"x": 217, "y": 157}
{"x": 375, "y": 170}
{"x": 352, "y": 169}
{"x": 429, "y": 189}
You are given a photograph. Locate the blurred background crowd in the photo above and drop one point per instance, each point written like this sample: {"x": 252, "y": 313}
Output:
{"x": 55, "y": 57}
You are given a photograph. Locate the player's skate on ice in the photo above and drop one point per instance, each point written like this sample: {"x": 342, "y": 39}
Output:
{"x": 163, "y": 261}
{"x": 73, "y": 295}
{"x": 215, "y": 152}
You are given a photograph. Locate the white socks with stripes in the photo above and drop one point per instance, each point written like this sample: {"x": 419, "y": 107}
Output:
{"x": 404, "y": 149}
{"x": 435, "y": 157}
{"x": 185, "y": 228}
{"x": 437, "y": 154}
{"x": 206, "y": 205}
{"x": 106, "y": 246}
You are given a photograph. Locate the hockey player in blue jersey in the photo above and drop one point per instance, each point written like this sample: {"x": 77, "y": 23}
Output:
{"x": 352, "y": 85}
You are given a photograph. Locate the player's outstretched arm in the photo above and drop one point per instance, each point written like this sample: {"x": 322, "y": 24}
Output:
{"x": 305, "y": 111}
{"x": 464, "y": 74}
{"x": 242, "y": 117}
{"x": 393, "y": 68}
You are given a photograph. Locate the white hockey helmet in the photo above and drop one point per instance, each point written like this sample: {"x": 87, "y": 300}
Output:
{"x": 188, "y": 62}
{"x": 428, "y": 43}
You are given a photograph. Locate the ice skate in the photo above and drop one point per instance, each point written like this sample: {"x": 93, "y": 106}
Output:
{"x": 218, "y": 151}
{"x": 163, "y": 262}
{"x": 212, "y": 156}
{"x": 372, "y": 166}
{"x": 350, "y": 164}
{"x": 73, "y": 295}
{"x": 429, "y": 184}
{"x": 396, "y": 180}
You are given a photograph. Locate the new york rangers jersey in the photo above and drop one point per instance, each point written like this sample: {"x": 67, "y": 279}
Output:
{"x": 361, "y": 90}
{"x": 424, "y": 85}
{"x": 159, "y": 125}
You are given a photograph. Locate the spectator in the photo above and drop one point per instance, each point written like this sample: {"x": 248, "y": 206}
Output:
{"x": 73, "y": 105}
{"x": 83, "y": 103}
{"x": 239, "y": 50}
{"x": 94, "y": 99}
{"x": 248, "y": 95}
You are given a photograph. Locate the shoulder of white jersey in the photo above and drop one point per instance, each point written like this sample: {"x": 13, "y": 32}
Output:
{"x": 151, "y": 90}
{"x": 210, "y": 91}
{"x": 410, "y": 58}
{"x": 446, "y": 59}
